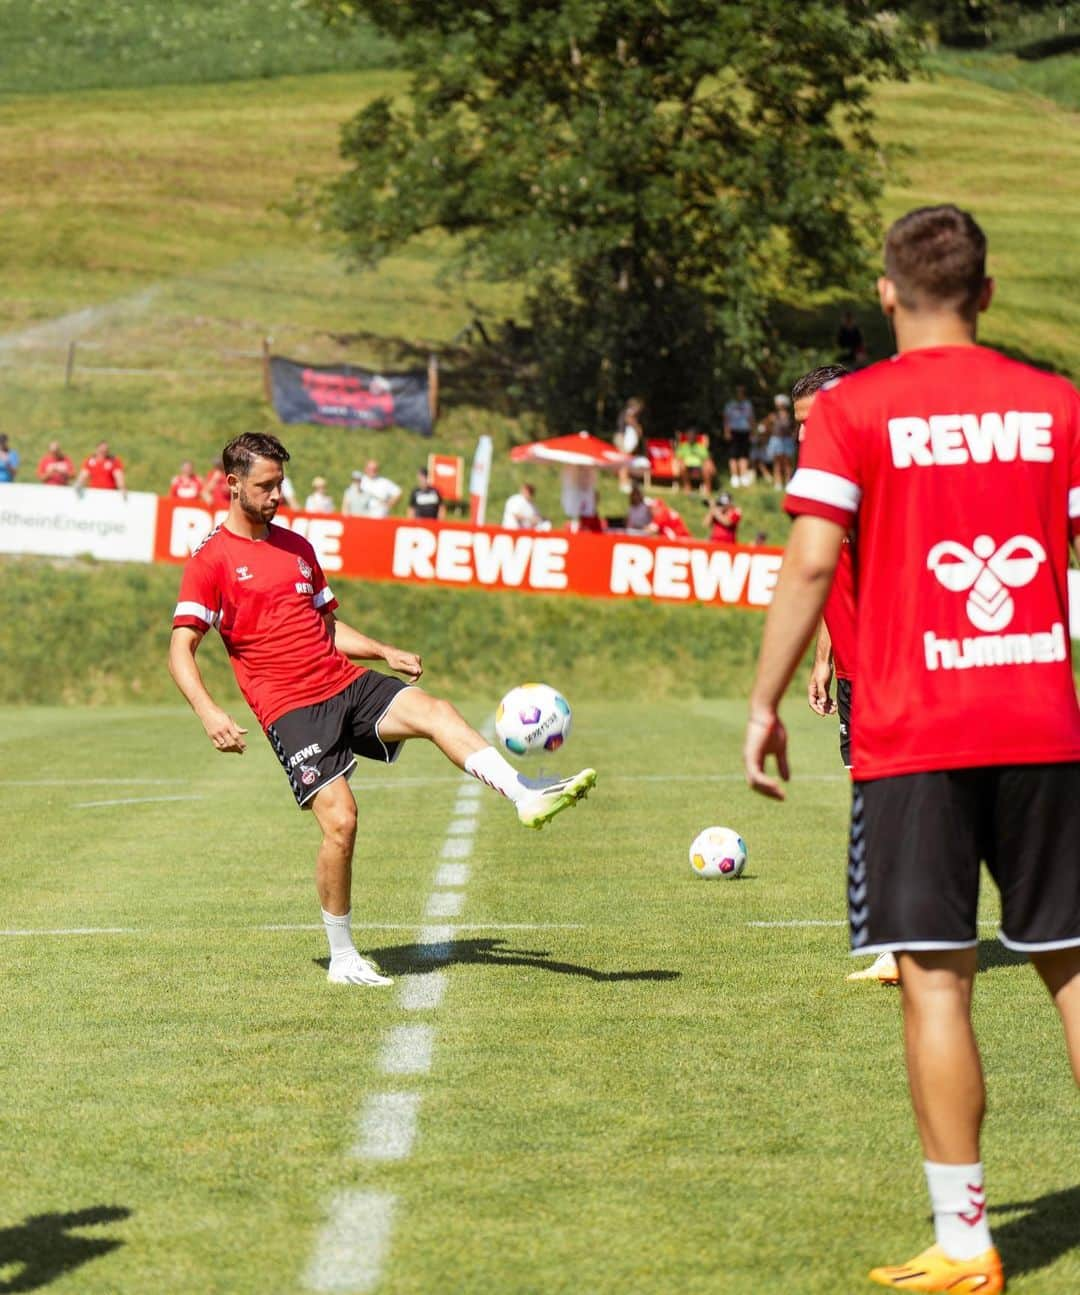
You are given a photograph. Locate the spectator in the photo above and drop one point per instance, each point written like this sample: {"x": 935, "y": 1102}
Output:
{"x": 521, "y": 512}
{"x": 667, "y": 523}
{"x": 639, "y": 513}
{"x": 781, "y": 448}
{"x": 738, "y": 424}
{"x": 849, "y": 340}
{"x": 629, "y": 436}
{"x": 103, "y": 470}
{"x": 695, "y": 464}
{"x": 760, "y": 459}
{"x": 216, "y": 490}
{"x": 425, "y": 502}
{"x": 186, "y": 485}
{"x": 9, "y": 460}
{"x": 319, "y": 501}
{"x": 723, "y": 519}
{"x": 55, "y": 468}
{"x": 288, "y": 494}
{"x": 760, "y": 538}
{"x": 369, "y": 494}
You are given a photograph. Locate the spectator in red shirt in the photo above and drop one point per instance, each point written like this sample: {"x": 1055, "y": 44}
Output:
{"x": 723, "y": 519}
{"x": 55, "y": 468}
{"x": 667, "y": 523}
{"x": 186, "y": 485}
{"x": 103, "y": 470}
{"x": 216, "y": 491}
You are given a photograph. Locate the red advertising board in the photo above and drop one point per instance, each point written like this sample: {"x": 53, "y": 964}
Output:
{"x": 610, "y": 565}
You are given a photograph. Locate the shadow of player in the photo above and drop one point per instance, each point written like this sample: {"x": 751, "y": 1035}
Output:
{"x": 417, "y": 959}
{"x": 1049, "y": 1228}
{"x": 44, "y": 1248}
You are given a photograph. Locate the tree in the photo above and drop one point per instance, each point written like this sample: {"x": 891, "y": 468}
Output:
{"x": 655, "y": 173}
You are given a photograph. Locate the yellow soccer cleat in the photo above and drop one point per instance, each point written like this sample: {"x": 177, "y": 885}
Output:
{"x": 933, "y": 1270}
{"x": 883, "y": 969}
{"x": 542, "y": 804}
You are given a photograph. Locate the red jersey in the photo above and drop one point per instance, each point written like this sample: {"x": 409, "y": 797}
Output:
{"x": 840, "y": 615}
{"x": 101, "y": 472}
{"x": 55, "y": 470}
{"x": 671, "y": 526}
{"x": 184, "y": 487}
{"x": 721, "y": 534}
{"x": 959, "y": 470}
{"x": 267, "y": 598}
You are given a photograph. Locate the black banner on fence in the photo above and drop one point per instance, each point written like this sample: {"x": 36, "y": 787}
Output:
{"x": 342, "y": 395}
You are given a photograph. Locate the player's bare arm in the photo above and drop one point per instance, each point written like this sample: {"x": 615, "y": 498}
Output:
{"x": 222, "y": 730}
{"x": 821, "y": 675}
{"x": 801, "y": 590}
{"x": 360, "y": 647}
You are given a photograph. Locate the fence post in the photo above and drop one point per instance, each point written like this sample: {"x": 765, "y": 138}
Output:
{"x": 268, "y": 390}
{"x": 69, "y": 367}
{"x": 433, "y": 388}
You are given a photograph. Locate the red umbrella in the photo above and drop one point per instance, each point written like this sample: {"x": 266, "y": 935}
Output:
{"x": 581, "y": 450}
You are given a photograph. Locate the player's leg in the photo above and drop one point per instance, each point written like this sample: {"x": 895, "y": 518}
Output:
{"x": 414, "y": 713}
{"x": 334, "y": 807}
{"x": 1060, "y": 971}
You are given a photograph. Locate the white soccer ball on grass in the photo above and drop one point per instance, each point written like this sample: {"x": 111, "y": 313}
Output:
{"x": 532, "y": 719}
{"x": 718, "y": 852}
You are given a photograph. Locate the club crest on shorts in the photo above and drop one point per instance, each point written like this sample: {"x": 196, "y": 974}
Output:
{"x": 309, "y": 774}
{"x": 305, "y": 569}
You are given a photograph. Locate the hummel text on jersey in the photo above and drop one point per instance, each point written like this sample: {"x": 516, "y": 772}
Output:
{"x": 949, "y": 439}
{"x": 995, "y": 649}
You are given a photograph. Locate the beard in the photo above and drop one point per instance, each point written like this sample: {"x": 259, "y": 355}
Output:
{"x": 261, "y": 514}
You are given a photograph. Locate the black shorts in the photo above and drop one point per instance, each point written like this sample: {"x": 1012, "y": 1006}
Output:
{"x": 843, "y": 709}
{"x": 739, "y": 445}
{"x": 319, "y": 743}
{"x": 917, "y": 841}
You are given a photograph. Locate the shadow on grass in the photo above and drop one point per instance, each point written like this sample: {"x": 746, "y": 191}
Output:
{"x": 1049, "y": 1228}
{"x": 417, "y": 959}
{"x": 44, "y": 1250}
{"x": 992, "y": 953}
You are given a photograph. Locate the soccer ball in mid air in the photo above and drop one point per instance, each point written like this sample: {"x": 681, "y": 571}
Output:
{"x": 718, "y": 852}
{"x": 532, "y": 719}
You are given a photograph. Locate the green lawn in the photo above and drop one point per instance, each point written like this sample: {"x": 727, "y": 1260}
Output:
{"x": 632, "y": 1089}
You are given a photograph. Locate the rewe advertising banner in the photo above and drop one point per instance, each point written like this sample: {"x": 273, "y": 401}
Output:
{"x": 598, "y": 566}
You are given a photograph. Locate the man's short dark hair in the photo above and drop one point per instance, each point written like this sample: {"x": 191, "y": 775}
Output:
{"x": 241, "y": 452}
{"x": 811, "y": 383}
{"x": 936, "y": 256}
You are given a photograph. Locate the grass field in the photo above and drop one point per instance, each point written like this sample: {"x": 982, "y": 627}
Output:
{"x": 632, "y": 1089}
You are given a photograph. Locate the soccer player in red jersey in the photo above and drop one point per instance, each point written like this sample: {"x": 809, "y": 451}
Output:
{"x": 262, "y": 587}
{"x": 959, "y": 470}
{"x": 835, "y": 650}
{"x": 102, "y": 470}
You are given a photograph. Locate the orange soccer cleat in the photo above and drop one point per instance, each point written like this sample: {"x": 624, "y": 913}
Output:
{"x": 933, "y": 1270}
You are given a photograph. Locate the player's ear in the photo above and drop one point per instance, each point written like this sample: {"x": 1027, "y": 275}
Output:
{"x": 886, "y": 290}
{"x": 986, "y": 295}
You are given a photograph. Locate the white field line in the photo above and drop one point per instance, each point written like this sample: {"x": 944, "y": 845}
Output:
{"x": 423, "y": 993}
{"x": 386, "y": 1129}
{"x": 445, "y": 903}
{"x": 436, "y": 938}
{"x": 76, "y": 930}
{"x": 462, "y": 827}
{"x": 988, "y": 923}
{"x": 452, "y": 874}
{"x": 435, "y": 943}
{"x": 94, "y": 782}
{"x": 132, "y": 800}
{"x": 353, "y": 1243}
{"x": 457, "y": 847}
{"x": 407, "y": 1050}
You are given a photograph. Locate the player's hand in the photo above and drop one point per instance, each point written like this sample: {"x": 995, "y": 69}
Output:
{"x": 765, "y": 736}
{"x": 406, "y": 663}
{"x": 817, "y": 690}
{"x": 224, "y": 732}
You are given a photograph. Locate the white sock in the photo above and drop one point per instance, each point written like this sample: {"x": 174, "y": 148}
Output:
{"x": 958, "y": 1199}
{"x": 339, "y": 933}
{"x": 488, "y": 766}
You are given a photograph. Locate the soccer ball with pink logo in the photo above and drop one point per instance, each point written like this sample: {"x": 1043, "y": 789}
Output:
{"x": 718, "y": 852}
{"x": 532, "y": 719}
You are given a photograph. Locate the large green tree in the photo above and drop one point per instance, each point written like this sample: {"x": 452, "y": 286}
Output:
{"x": 655, "y": 173}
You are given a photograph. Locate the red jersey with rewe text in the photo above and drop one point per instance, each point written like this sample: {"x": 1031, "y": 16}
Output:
{"x": 959, "y": 470}
{"x": 839, "y": 614}
{"x": 267, "y": 598}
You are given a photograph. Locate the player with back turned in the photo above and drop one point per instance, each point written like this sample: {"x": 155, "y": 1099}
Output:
{"x": 262, "y": 587}
{"x": 959, "y": 470}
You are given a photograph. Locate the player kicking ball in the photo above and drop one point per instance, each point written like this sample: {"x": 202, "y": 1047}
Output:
{"x": 959, "y": 471}
{"x": 262, "y": 587}
{"x": 834, "y": 653}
